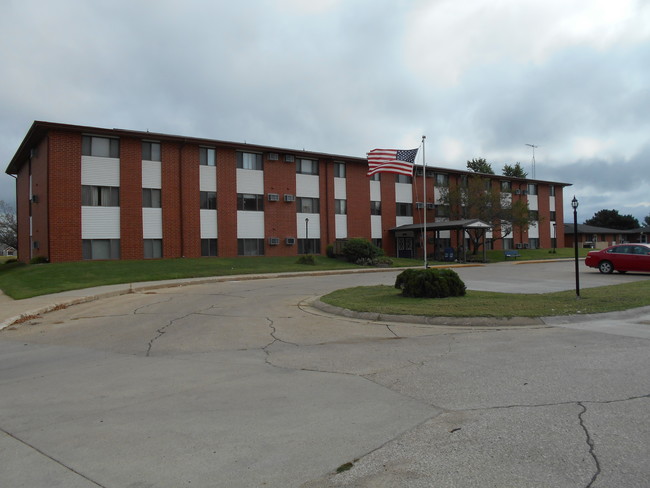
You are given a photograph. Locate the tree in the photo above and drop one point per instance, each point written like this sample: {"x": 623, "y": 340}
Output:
{"x": 611, "y": 219}
{"x": 516, "y": 171}
{"x": 479, "y": 200}
{"x": 8, "y": 225}
{"x": 480, "y": 166}
{"x": 646, "y": 221}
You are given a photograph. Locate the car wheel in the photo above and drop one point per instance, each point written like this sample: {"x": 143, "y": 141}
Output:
{"x": 605, "y": 267}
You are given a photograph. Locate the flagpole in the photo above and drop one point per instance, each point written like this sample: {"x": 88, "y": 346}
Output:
{"x": 424, "y": 224}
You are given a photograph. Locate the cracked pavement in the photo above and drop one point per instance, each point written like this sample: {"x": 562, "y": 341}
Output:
{"x": 246, "y": 384}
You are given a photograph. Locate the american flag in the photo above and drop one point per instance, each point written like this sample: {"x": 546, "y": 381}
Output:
{"x": 398, "y": 161}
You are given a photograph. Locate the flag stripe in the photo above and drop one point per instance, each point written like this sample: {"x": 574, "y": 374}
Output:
{"x": 398, "y": 161}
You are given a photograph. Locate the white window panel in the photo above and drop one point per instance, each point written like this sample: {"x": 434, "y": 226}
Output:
{"x": 339, "y": 189}
{"x": 307, "y": 186}
{"x": 403, "y": 221}
{"x": 100, "y": 171}
{"x": 375, "y": 227}
{"x": 100, "y": 222}
{"x": 250, "y": 181}
{"x": 445, "y": 234}
{"x": 551, "y": 204}
{"x": 533, "y": 231}
{"x": 375, "y": 192}
{"x": 532, "y": 202}
{"x": 207, "y": 178}
{"x": 403, "y": 192}
{"x": 208, "y": 223}
{"x": 152, "y": 227}
{"x": 314, "y": 225}
{"x": 341, "y": 223}
{"x": 250, "y": 225}
{"x": 151, "y": 174}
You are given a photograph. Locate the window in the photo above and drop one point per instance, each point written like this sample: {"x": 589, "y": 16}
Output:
{"x": 403, "y": 179}
{"x": 152, "y": 248}
{"x": 250, "y": 202}
{"x": 102, "y": 147}
{"x": 376, "y": 242}
{"x": 151, "y": 198}
{"x": 533, "y": 243}
{"x": 207, "y": 156}
{"x": 506, "y": 187}
{"x": 442, "y": 211}
{"x": 340, "y": 207}
{"x": 250, "y": 247}
{"x": 533, "y": 214}
{"x": 209, "y": 200}
{"x": 532, "y": 189}
{"x": 208, "y": 247}
{"x": 376, "y": 177}
{"x": 375, "y": 208}
{"x": 307, "y": 205}
{"x": 339, "y": 170}
{"x": 463, "y": 181}
{"x": 150, "y": 151}
{"x": 100, "y": 196}
{"x": 100, "y": 248}
{"x": 306, "y": 167}
{"x": 308, "y": 246}
{"x": 487, "y": 184}
{"x": 551, "y": 189}
{"x": 442, "y": 180}
{"x": 249, "y": 161}
{"x": 404, "y": 210}
{"x": 553, "y": 218}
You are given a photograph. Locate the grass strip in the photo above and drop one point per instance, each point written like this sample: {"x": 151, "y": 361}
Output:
{"x": 388, "y": 300}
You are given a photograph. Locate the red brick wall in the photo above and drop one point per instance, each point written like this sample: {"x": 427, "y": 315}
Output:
{"x": 190, "y": 201}
{"x": 171, "y": 200}
{"x": 280, "y": 216}
{"x": 227, "y": 202}
{"x": 559, "y": 214}
{"x": 543, "y": 207}
{"x": 131, "y": 243}
{"x": 22, "y": 213}
{"x": 358, "y": 200}
{"x": 40, "y": 227}
{"x": 64, "y": 196}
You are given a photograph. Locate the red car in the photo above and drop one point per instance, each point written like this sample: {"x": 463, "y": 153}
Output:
{"x": 622, "y": 258}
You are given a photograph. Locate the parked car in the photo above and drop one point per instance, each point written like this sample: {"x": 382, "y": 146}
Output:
{"x": 622, "y": 258}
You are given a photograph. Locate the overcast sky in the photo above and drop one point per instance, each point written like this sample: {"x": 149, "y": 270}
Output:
{"x": 479, "y": 78}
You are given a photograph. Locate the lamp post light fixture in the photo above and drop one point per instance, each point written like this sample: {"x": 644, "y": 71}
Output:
{"x": 574, "y": 204}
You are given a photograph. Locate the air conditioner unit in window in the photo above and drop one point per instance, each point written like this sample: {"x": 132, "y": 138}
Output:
{"x": 289, "y": 198}
{"x": 34, "y": 198}
{"x": 273, "y": 156}
{"x": 274, "y": 197}
{"x": 526, "y": 245}
{"x": 290, "y": 241}
{"x": 517, "y": 192}
{"x": 431, "y": 206}
{"x": 288, "y": 158}
{"x": 274, "y": 241}
{"x": 419, "y": 205}
{"x": 418, "y": 172}
{"x": 525, "y": 192}
{"x": 518, "y": 245}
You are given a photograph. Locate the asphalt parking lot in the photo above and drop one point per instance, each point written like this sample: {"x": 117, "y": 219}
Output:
{"x": 245, "y": 383}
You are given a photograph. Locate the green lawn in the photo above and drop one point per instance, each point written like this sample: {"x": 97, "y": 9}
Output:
{"x": 388, "y": 300}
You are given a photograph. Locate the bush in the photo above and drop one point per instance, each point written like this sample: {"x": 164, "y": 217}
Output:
{"x": 361, "y": 251}
{"x": 11, "y": 260}
{"x": 329, "y": 251}
{"x": 39, "y": 260}
{"x": 306, "y": 259}
{"x": 430, "y": 283}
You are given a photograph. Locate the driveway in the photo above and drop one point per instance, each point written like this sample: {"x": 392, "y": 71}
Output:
{"x": 244, "y": 383}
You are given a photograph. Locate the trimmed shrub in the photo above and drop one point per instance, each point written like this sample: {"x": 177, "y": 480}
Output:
{"x": 361, "y": 251}
{"x": 11, "y": 261}
{"x": 38, "y": 260}
{"x": 329, "y": 251}
{"x": 306, "y": 259}
{"x": 430, "y": 283}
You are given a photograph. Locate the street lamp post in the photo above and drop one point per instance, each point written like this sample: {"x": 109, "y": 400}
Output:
{"x": 554, "y": 236}
{"x": 307, "y": 235}
{"x": 574, "y": 204}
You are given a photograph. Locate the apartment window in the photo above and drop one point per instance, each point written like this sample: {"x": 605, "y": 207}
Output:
{"x": 339, "y": 170}
{"x": 250, "y": 247}
{"x": 506, "y": 187}
{"x": 152, "y": 248}
{"x": 403, "y": 179}
{"x": 375, "y": 177}
{"x": 487, "y": 184}
{"x": 340, "y": 207}
{"x": 551, "y": 189}
{"x": 404, "y": 209}
{"x": 533, "y": 215}
{"x": 208, "y": 200}
{"x": 249, "y": 161}
{"x": 553, "y": 215}
{"x": 250, "y": 202}
{"x": 151, "y": 198}
{"x": 532, "y": 189}
{"x": 150, "y": 151}
{"x": 308, "y": 246}
{"x": 100, "y": 248}
{"x": 376, "y": 242}
{"x": 442, "y": 180}
{"x": 100, "y": 196}
{"x": 103, "y": 147}
{"x": 533, "y": 243}
{"x": 207, "y": 156}
{"x": 375, "y": 208}
{"x": 307, "y": 205}
{"x": 306, "y": 167}
{"x": 463, "y": 181}
{"x": 209, "y": 247}
{"x": 442, "y": 211}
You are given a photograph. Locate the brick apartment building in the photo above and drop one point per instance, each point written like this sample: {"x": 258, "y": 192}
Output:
{"x": 94, "y": 193}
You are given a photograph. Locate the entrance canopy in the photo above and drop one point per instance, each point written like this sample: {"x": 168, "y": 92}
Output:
{"x": 448, "y": 225}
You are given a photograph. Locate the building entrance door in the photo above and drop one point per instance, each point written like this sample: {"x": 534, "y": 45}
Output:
{"x": 405, "y": 247}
